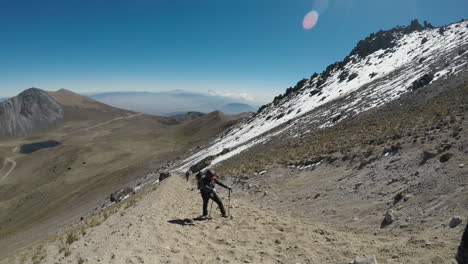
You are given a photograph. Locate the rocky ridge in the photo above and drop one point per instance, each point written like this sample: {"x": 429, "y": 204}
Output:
{"x": 382, "y": 68}
{"x": 28, "y": 112}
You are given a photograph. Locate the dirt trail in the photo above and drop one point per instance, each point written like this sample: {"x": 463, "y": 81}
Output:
{"x": 5, "y": 165}
{"x": 103, "y": 123}
{"x": 160, "y": 228}
{"x": 13, "y": 163}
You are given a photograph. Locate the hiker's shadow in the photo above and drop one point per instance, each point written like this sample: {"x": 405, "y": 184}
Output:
{"x": 187, "y": 221}
{"x": 182, "y": 222}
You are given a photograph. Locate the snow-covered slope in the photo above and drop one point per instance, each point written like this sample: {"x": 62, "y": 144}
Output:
{"x": 380, "y": 69}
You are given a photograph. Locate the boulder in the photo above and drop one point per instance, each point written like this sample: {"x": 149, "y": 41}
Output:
{"x": 365, "y": 259}
{"x": 121, "y": 194}
{"x": 389, "y": 217}
{"x": 225, "y": 151}
{"x": 456, "y": 220}
{"x": 202, "y": 164}
{"x": 164, "y": 175}
{"x": 444, "y": 157}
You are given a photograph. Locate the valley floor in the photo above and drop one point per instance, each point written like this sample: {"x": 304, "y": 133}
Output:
{"x": 160, "y": 226}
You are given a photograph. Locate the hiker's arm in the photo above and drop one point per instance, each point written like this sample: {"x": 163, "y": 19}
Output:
{"x": 222, "y": 184}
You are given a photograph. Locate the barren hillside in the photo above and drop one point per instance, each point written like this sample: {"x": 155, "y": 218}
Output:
{"x": 68, "y": 169}
{"x": 161, "y": 226}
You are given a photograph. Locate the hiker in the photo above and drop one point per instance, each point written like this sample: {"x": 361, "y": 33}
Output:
{"x": 462, "y": 255}
{"x": 206, "y": 184}
{"x": 187, "y": 174}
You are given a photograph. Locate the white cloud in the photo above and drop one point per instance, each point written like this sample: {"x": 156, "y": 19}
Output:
{"x": 243, "y": 96}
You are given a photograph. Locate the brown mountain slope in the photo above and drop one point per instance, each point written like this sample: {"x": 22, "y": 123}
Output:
{"x": 71, "y": 99}
{"x": 161, "y": 226}
{"x": 207, "y": 126}
{"x": 27, "y": 113}
{"x": 409, "y": 156}
{"x": 100, "y": 149}
{"x": 81, "y": 111}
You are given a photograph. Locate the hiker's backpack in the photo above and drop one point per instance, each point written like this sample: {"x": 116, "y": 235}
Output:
{"x": 200, "y": 179}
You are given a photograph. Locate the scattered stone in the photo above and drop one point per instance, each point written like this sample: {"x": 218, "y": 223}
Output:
{"x": 398, "y": 197}
{"x": 406, "y": 197}
{"x": 461, "y": 165}
{"x": 366, "y": 259}
{"x": 121, "y": 194}
{"x": 444, "y": 157}
{"x": 357, "y": 185}
{"x": 164, "y": 175}
{"x": 175, "y": 250}
{"x": 456, "y": 220}
{"x": 225, "y": 151}
{"x": 389, "y": 217}
{"x": 277, "y": 241}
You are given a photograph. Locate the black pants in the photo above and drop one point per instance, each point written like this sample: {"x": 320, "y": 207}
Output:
{"x": 206, "y": 196}
{"x": 462, "y": 256}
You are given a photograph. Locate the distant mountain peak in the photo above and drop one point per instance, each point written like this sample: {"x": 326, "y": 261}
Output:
{"x": 177, "y": 91}
{"x": 27, "y": 112}
{"x": 173, "y": 102}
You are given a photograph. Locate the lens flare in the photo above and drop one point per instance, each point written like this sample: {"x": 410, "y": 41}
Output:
{"x": 310, "y": 20}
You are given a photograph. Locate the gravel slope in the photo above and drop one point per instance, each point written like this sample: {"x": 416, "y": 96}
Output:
{"x": 158, "y": 227}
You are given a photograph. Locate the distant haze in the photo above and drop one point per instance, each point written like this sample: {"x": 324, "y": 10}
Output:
{"x": 174, "y": 102}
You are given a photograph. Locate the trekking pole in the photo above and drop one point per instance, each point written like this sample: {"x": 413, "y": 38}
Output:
{"x": 211, "y": 207}
{"x": 229, "y": 207}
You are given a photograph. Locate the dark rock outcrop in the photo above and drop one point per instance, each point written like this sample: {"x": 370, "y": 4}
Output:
{"x": 202, "y": 164}
{"x": 423, "y": 81}
{"x": 28, "y": 112}
{"x": 382, "y": 40}
{"x": 385, "y": 39}
{"x": 164, "y": 175}
{"x": 121, "y": 194}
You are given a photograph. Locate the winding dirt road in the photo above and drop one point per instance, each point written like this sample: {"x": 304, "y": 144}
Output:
{"x": 103, "y": 123}
{"x": 12, "y": 162}
{"x": 5, "y": 165}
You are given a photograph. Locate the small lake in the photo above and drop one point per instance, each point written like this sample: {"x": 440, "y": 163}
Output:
{"x": 33, "y": 147}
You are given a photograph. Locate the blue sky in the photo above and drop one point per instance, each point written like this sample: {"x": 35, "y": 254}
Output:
{"x": 253, "y": 47}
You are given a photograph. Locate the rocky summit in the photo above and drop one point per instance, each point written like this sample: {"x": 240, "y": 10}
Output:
{"x": 28, "y": 112}
{"x": 380, "y": 69}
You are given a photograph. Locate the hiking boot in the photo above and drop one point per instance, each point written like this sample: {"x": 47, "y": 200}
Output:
{"x": 225, "y": 216}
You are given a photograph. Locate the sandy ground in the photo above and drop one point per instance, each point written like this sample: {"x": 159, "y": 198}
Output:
{"x": 160, "y": 227}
